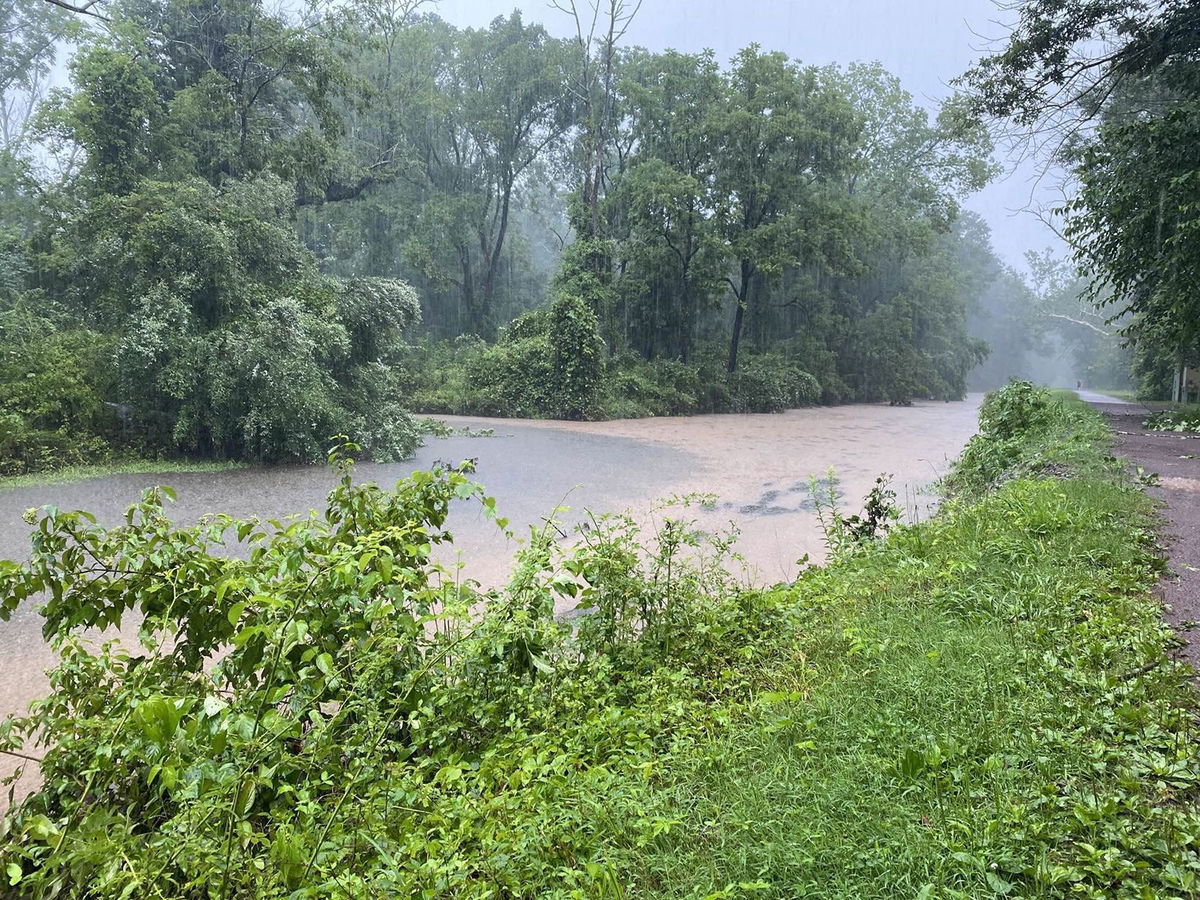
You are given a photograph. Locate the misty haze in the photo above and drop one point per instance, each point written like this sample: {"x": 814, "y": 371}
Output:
{"x": 599, "y": 449}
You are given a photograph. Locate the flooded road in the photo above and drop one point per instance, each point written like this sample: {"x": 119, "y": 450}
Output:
{"x": 757, "y": 465}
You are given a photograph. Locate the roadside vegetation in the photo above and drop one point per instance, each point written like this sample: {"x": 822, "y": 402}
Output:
{"x": 1183, "y": 418}
{"x": 981, "y": 704}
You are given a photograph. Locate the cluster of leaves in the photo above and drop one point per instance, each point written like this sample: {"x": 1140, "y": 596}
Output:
{"x": 1182, "y": 419}
{"x": 53, "y": 381}
{"x": 546, "y": 364}
{"x": 848, "y": 533}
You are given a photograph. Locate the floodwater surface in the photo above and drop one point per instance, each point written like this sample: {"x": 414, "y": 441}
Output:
{"x": 758, "y": 467}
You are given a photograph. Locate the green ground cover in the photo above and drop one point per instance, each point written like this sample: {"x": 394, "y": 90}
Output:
{"x": 979, "y": 705}
{"x": 123, "y": 467}
{"x": 1180, "y": 417}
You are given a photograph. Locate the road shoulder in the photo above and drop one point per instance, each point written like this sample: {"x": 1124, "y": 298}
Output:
{"x": 1175, "y": 460}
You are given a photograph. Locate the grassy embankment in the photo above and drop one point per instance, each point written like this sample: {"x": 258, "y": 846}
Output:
{"x": 982, "y": 706}
{"x": 123, "y": 467}
{"x": 979, "y": 705}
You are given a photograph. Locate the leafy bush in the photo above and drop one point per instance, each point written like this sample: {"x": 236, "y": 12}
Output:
{"x": 771, "y": 384}
{"x": 528, "y": 373}
{"x": 1174, "y": 420}
{"x": 1024, "y": 430}
{"x": 511, "y": 378}
{"x": 53, "y": 386}
{"x": 636, "y": 388}
{"x": 25, "y": 449}
{"x": 546, "y": 364}
{"x": 1019, "y": 408}
{"x": 577, "y": 359}
{"x": 228, "y": 341}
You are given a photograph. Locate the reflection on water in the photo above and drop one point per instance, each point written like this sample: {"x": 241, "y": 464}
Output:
{"x": 757, "y": 465}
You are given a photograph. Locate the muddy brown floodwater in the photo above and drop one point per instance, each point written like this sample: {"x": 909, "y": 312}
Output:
{"x": 757, "y": 465}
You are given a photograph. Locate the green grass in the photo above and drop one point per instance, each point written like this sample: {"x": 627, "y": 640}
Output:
{"x": 121, "y": 467}
{"x": 983, "y": 707}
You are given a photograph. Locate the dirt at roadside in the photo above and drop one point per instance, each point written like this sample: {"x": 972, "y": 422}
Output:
{"x": 1175, "y": 458}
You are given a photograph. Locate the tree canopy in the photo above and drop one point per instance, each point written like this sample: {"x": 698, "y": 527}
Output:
{"x": 282, "y": 226}
{"x": 1117, "y": 83}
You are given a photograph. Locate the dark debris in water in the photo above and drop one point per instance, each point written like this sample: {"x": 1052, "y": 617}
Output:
{"x": 767, "y": 504}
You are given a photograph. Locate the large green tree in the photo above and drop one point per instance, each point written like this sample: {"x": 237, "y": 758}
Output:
{"x": 785, "y": 132}
{"x": 1126, "y": 70}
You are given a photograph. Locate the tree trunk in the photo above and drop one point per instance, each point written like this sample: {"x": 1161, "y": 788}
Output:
{"x": 493, "y": 263}
{"x": 739, "y": 315}
{"x": 469, "y": 300}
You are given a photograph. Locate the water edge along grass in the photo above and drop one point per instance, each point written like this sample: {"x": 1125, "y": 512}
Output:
{"x": 71, "y": 474}
{"x": 980, "y": 705}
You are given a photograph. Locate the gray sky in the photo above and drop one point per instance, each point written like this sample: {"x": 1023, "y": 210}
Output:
{"x": 925, "y": 42}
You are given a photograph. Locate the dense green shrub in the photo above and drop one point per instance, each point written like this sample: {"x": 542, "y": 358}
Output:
{"x": 1024, "y": 430}
{"x": 1018, "y": 410}
{"x": 53, "y": 388}
{"x": 771, "y": 384}
{"x": 523, "y": 374}
{"x": 26, "y": 449}
{"x": 577, "y": 359}
{"x": 636, "y": 388}
{"x": 511, "y": 378}
{"x": 810, "y": 354}
{"x": 226, "y": 340}
{"x": 545, "y": 364}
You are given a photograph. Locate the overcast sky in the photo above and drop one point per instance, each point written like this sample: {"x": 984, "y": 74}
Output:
{"x": 926, "y": 43}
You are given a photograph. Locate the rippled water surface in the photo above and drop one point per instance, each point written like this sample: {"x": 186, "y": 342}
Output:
{"x": 757, "y": 465}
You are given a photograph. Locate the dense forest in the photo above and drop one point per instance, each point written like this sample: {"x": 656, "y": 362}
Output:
{"x": 235, "y": 233}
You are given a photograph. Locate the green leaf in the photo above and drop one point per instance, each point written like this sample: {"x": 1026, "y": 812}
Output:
{"x": 235, "y": 611}
{"x": 214, "y": 706}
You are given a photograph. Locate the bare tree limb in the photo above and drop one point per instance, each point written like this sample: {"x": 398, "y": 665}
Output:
{"x": 84, "y": 9}
{"x": 1094, "y": 328}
